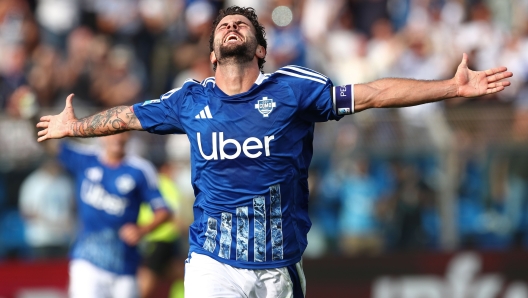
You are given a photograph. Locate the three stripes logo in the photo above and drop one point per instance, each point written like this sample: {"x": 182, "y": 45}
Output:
{"x": 204, "y": 114}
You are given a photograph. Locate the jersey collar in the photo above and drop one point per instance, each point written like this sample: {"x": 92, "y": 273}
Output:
{"x": 259, "y": 81}
{"x": 260, "y": 78}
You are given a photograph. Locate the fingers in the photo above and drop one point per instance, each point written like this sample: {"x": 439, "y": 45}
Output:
{"x": 45, "y": 118}
{"x": 496, "y": 87}
{"x": 495, "y": 70}
{"x": 499, "y": 76}
{"x": 43, "y": 138}
{"x": 43, "y": 124}
{"x": 43, "y": 132}
{"x": 498, "y": 84}
{"x": 494, "y": 90}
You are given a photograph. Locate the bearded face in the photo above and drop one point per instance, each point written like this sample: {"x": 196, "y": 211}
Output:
{"x": 235, "y": 41}
{"x": 239, "y": 52}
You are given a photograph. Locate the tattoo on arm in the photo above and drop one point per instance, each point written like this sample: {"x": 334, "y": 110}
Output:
{"x": 109, "y": 122}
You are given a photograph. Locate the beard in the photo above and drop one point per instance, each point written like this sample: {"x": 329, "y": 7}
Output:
{"x": 239, "y": 53}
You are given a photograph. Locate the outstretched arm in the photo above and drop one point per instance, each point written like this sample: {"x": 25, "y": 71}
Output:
{"x": 393, "y": 92}
{"x": 108, "y": 122}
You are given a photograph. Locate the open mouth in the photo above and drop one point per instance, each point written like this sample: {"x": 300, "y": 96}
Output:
{"x": 232, "y": 37}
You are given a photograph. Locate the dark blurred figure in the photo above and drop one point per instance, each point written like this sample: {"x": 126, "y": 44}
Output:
{"x": 410, "y": 209}
{"x": 117, "y": 84}
{"x": 198, "y": 20}
{"x": 162, "y": 26}
{"x": 85, "y": 56}
{"x": 12, "y": 74}
{"x": 367, "y": 12}
{"x": 44, "y": 75}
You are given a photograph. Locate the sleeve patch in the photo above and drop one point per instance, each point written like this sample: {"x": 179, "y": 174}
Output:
{"x": 147, "y": 102}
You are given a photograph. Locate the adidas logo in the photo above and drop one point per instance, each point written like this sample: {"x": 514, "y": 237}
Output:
{"x": 204, "y": 114}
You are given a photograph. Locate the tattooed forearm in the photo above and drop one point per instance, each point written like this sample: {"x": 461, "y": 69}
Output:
{"x": 109, "y": 122}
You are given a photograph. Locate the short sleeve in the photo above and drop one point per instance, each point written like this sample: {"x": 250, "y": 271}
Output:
{"x": 149, "y": 186}
{"x": 313, "y": 92}
{"x": 153, "y": 197}
{"x": 160, "y": 116}
{"x": 71, "y": 155}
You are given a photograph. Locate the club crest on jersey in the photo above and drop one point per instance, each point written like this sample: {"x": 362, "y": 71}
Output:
{"x": 265, "y": 106}
{"x": 125, "y": 183}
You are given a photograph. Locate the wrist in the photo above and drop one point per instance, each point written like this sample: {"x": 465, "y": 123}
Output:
{"x": 73, "y": 130}
{"x": 143, "y": 230}
{"x": 70, "y": 130}
{"x": 452, "y": 88}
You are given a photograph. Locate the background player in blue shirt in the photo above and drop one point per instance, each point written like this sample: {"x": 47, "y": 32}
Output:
{"x": 251, "y": 146}
{"x": 110, "y": 187}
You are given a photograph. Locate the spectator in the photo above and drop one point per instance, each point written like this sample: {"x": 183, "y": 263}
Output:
{"x": 57, "y": 18}
{"x": 359, "y": 228}
{"x": 47, "y": 206}
{"x": 117, "y": 83}
{"x": 12, "y": 75}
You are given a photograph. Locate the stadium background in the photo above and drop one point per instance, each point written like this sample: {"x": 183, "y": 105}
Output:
{"x": 427, "y": 201}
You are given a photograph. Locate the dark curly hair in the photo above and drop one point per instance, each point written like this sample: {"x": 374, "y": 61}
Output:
{"x": 249, "y": 13}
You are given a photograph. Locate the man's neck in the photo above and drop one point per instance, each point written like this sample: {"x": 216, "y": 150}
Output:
{"x": 236, "y": 79}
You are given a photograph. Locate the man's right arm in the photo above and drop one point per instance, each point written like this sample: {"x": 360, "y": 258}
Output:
{"x": 108, "y": 122}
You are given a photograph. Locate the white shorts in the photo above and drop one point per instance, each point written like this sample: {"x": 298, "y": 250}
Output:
{"x": 90, "y": 281}
{"x": 206, "y": 277}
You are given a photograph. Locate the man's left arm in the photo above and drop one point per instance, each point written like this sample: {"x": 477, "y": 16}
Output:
{"x": 160, "y": 216}
{"x": 395, "y": 92}
{"x": 132, "y": 233}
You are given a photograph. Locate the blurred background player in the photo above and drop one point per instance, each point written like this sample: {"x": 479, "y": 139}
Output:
{"x": 161, "y": 249}
{"x": 111, "y": 186}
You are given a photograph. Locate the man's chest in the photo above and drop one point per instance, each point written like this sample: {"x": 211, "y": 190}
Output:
{"x": 251, "y": 126}
{"x": 255, "y": 114}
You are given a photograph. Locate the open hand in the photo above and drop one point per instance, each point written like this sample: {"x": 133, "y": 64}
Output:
{"x": 476, "y": 83}
{"x": 57, "y": 126}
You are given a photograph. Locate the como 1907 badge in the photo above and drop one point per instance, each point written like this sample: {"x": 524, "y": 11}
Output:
{"x": 265, "y": 106}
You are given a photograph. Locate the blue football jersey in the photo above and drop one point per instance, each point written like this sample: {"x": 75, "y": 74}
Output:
{"x": 250, "y": 155}
{"x": 107, "y": 198}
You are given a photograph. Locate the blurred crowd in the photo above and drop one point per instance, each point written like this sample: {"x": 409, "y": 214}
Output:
{"x": 438, "y": 176}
